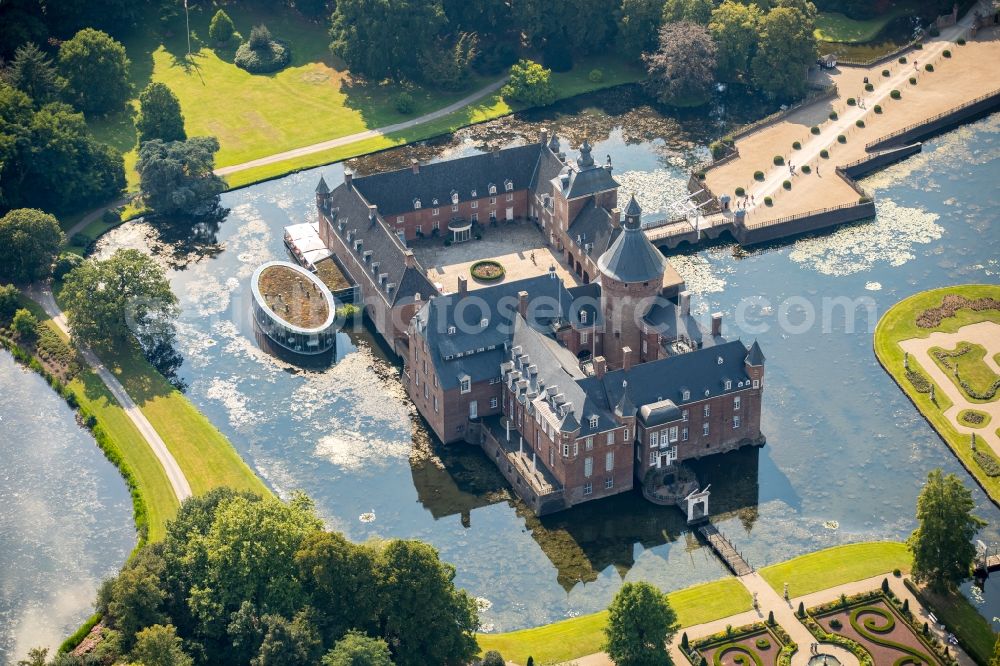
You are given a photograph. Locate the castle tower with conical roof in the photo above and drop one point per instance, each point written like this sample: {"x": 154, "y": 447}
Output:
{"x": 632, "y": 273}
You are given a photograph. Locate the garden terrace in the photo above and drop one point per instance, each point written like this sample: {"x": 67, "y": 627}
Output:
{"x": 293, "y": 297}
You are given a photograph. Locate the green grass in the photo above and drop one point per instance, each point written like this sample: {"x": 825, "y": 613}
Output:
{"x": 580, "y": 636}
{"x": 836, "y": 27}
{"x": 899, "y": 323}
{"x": 971, "y": 368}
{"x": 836, "y": 566}
{"x": 974, "y": 632}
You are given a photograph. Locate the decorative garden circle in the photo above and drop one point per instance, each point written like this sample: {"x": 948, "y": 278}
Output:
{"x": 974, "y": 418}
{"x": 741, "y": 655}
{"x": 487, "y": 270}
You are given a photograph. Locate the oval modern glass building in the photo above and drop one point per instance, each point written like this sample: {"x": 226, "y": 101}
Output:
{"x": 293, "y": 308}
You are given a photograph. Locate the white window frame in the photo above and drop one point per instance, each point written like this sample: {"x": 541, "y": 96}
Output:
{"x": 736, "y": 402}
{"x": 672, "y": 434}
{"x": 510, "y": 196}
{"x": 566, "y": 450}
{"x": 609, "y": 483}
{"x": 684, "y": 415}
{"x": 653, "y": 457}
{"x": 589, "y": 443}
{"x": 454, "y": 208}
{"x": 704, "y": 429}
{"x": 400, "y": 219}
{"x": 736, "y": 421}
{"x": 706, "y": 410}
{"x": 610, "y": 438}
{"x": 609, "y": 461}
{"x": 654, "y": 438}
{"x": 465, "y": 385}
{"x": 588, "y": 467}
{"x": 686, "y": 395}
{"x": 684, "y": 434}
{"x": 584, "y": 337}
{"x": 756, "y": 383}
{"x": 435, "y": 211}
{"x": 588, "y": 488}
{"x": 593, "y": 421}
{"x": 729, "y": 384}
{"x": 475, "y": 204}
{"x": 493, "y": 402}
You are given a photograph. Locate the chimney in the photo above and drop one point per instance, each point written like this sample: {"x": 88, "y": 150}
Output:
{"x": 415, "y": 166}
{"x": 348, "y": 176}
{"x": 372, "y": 212}
{"x": 616, "y": 217}
{"x": 716, "y": 324}
{"x": 544, "y": 139}
{"x": 410, "y": 259}
{"x": 522, "y": 304}
{"x": 684, "y": 299}
{"x": 600, "y": 366}
{"x": 626, "y": 358}
{"x": 463, "y": 284}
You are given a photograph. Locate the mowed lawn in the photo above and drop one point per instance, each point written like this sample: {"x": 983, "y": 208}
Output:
{"x": 837, "y": 27}
{"x": 580, "y": 636}
{"x": 836, "y": 566}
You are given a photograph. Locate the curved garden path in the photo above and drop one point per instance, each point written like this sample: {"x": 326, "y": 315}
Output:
{"x": 179, "y": 483}
{"x": 985, "y": 333}
{"x": 367, "y": 134}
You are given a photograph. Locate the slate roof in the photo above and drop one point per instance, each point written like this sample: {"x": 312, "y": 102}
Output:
{"x": 633, "y": 209}
{"x": 755, "y": 356}
{"x": 591, "y": 180}
{"x": 347, "y": 206}
{"x": 322, "y": 187}
{"x": 547, "y": 168}
{"x": 632, "y": 258}
{"x": 665, "y": 317}
{"x": 593, "y": 225}
{"x": 394, "y": 191}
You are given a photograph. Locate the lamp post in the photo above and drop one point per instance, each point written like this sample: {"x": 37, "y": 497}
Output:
{"x": 187, "y": 22}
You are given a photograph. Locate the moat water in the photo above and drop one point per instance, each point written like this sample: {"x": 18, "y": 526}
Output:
{"x": 846, "y": 452}
{"x": 66, "y": 522}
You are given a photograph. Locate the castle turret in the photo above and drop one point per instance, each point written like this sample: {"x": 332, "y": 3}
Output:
{"x": 632, "y": 273}
{"x": 322, "y": 193}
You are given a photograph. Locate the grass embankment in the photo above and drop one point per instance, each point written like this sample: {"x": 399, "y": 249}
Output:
{"x": 580, "y": 636}
{"x": 835, "y": 566}
{"x": 898, "y": 324}
{"x": 974, "y": 632}
{"x": 836, "y": 27}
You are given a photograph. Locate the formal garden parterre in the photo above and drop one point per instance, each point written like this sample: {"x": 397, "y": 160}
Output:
{"x": 758, "y": 644}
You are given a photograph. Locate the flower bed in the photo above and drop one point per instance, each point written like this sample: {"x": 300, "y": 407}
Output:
{"x": 752, "y": 645}
{"x": 974, "y": 418}
{"x": 487, "y": 270}
{"x": 952, "y": 303}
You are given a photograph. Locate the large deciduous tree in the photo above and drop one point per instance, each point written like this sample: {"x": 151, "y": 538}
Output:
{"x": 96, "y": 70}
{"x": 357, "y": 649}
{"x": 640, "y": 624}
{"x": 29, "y": 243}
{"x": 160, "y": 114}
{"x": 581, "y": 26}
{"x": 942, "y": 546}
{"x": 382, "y": 38}
{"x": 32, "y": 72}
{"x": 785, "y": 50}
{"x": 159, "y": 645}
{"x": 638, "y": 25}
{"x": 682, "y": 70}
{"x": 529, "y": 84}
{"x": 696, "y": 11}
{"x": 176, "y": 177}
{"x": 734, "y": 29}
{"x": 112, "y": 300}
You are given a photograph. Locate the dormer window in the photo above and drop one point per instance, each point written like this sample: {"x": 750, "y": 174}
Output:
{"x": 720, "y": 360}
{"x": 583, "y": 316}
{"x": 454, "y": 197}
{"x": 493, "y": 189}
{"x": 451, "y": 330}
{"x": 508, "y": 185}
{"x": 474, "y": 194}
{"x": 685, "y": 394}
{"x": 593, "y": 421}
{"x": 416, "y": 204}
{"x": 484, "y": 323}
{"x": 465, "y": 383}
{"x": 729, "y": 384}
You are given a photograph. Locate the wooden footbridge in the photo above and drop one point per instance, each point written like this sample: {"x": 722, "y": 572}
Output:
{"x": 724, "y": 548}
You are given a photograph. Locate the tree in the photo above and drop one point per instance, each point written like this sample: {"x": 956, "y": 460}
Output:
{"x": 221, "y": 28}
{"x": 29, "y": 243}
{"x": 425, "y": 619}
{"x": 159, "y": 645}
{"x": 357, "y": 649}
{"x": 640, "y": 623}
{"x": 133, "y": 600}
{"x": 493, "y": 658}
{"x": 580, "y": 26}
{"x": 447, "y": 65}
{"x": 127, "y": 296}
{"x": 8, "y": 301}
{"x": 36, "y": 657}
{"x": 943, "y": 552}
{"x": 32, "y": 72}
{"x": 995, "y": 660}
{"x": 380, "y": 37}
{"x": 682, "y": 70}
{"x": 176, "y": 178}
{"x": 638, "y": 25}
{"x": 785, "y": 49}
{"x": 96, "y": 71}
{"x": 530, "y": 84}
{"x": 313, "y": 9}
{"x": 160, "y": 116}
{"x": 24, "y": 324}
{"x": 295, "y": 643}
{"x": 695, "y": 11}
{"x": 734, "y": 29}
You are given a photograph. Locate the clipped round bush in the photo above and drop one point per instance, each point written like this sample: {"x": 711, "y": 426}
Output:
{"x": 885, "y": 73}
{"x": 913, "y": 80}
{"x": 929, "y": 67}
{"x": 404, "y": 103}
{"x": 895, "y": 94}
{"x": 825, "y": 154}
{"x": 918, "y": 46}
{"x": 851, "y": 101}
{"x": 859, "y": 122}
{"x": 796, "y": 145}
{"x": 595, "y": 76}
{"x": 836, "y": 624}
{"x": 768, "y": 201}
{"x": 869, "y": 87}
{"x": 946, "y": 53}
{"x": 778, "y": 160}
{"x": 806, "y": 169}
{"x": 814, "y": 129}
{"x": 960, "y": 41}
{"x": 487, "y": 270}
{"x": 763, "y": 644}
{"x": 740, "y": 192}
{"x": 897, "y": 573}
{"x": 758, "y": 175}
{"x": 877, "y": 108}
{"x": 833, "y": 115}
{"x": 262, "y": 54}
{"x": 787, "y": 184}
{"x": 841, "y": 138}
{"x": 902, "y": 60}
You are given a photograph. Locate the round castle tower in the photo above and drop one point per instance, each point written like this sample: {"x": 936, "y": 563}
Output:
{"x": 632, "y": 272}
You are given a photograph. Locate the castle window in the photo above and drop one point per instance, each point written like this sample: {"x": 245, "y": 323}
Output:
{"x": 584, "y": 337}
{"x": 684, "y": 434}
{"x": 565, "y": 450}
{"x": 482, "y": 349}
{"x": 736, "y": 422}
{"x": 509, "y": 186}
{"x": 576, "y": 448}
{"x": 588, "y": 466}
{"x": 583, "y": 316}
{"x": 756, "y": 383}
{"x": 654, "y": 439}
{"x": 400, "y": 219}
{"x": 493, "y": 189}
{"x": 475, "y": 204}
{"x": 704, "y": 428}
{"x": 493, "y": 201}
{"x": 609, "y": 483}
{"x": 475, "y": 217}
{"x": 685, "y": 395}
{"x": 425, "y": 391}
{"x": 435, "y": 404}
{"x": 465, "y": 384}
{"x": 474, "y": 195}
{"x": 684, "y": 415}
{"x": 706, "y": 410}
{"x": 653, "y": 455}
{"x": 729, "y": 384}
{"x": 493, "y": 403}
{"x": 435, "y": 211}
{"x": 484, "y": 323}
{"x": 454, "y": 197}
{"x": 736, "y": 402}
{"x": 510, "y": 197}
{"x": 451, "y": 330}
{"x": 611, "y": 438}
{"x": 416, "y": 204}
{"x": 625, "y": 434}
{"x": 454, "y": 208}
{"x": 673, "y": 434}
{"x": 588, "y": 443}
{"x": 609, "y": 461}
{"x": 419, "y": 229}
{"x": 588, "y": 488}
{"x": 593, "y": 421}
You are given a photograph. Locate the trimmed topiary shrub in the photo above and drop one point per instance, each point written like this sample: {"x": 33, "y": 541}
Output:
{"x": 960, "y": 41}
{"x": 814, "y": 129}
{"x": 796, "y": 145}
{"x": 740, "y": 192}
{"x": 897, "y": 573}
{"x": 869, "y": 87}
{"x": 859, "y": 123}
{"x": 787, "y": 184}
{"x": 262, "y": 54}
{"x": 877, "y": 108}
{"x": 851, "y": 101}
{"x": 762, "y": 643}
{"x": 895, "y": 94}
{"x": 825, "y": 154}
{"x": 902, "y": 60}
{"x": 768, "y": 201}
{"x": 806, "y": 169}
{"x": 758, "y": 175}
{"x": 778, "y": 160}
{"x": 595, "y": 76}
{"x": 833, "y": 115}
{"x": 885, "y": 73}
{"x": 929, "y": 67}
{"x": 836, "y": 624}
{"x": 841, "y": 138}
{"x": 913, "y": 80}
{"x": 404, "y": 103}
{"x": 946, "y": 53}
{"x": 802, "y": 609}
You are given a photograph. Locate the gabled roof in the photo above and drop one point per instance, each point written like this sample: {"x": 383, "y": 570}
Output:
{"x": 590, "y": 180}
{"x": 548, "y": 168}
{"x": 394, "y": 192}
{"x": 755, "y": 356}
{"x": 632, "y": 258}
{"x": 593, "y": 224}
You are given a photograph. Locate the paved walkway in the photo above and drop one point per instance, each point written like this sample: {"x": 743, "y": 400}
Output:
{"x": 367, "y": 134}
{"x": 784, "y": 614}
{"x": 985, "y": 333}
{"x": 93, "y": 215}
{"x": 179, "y": 483}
